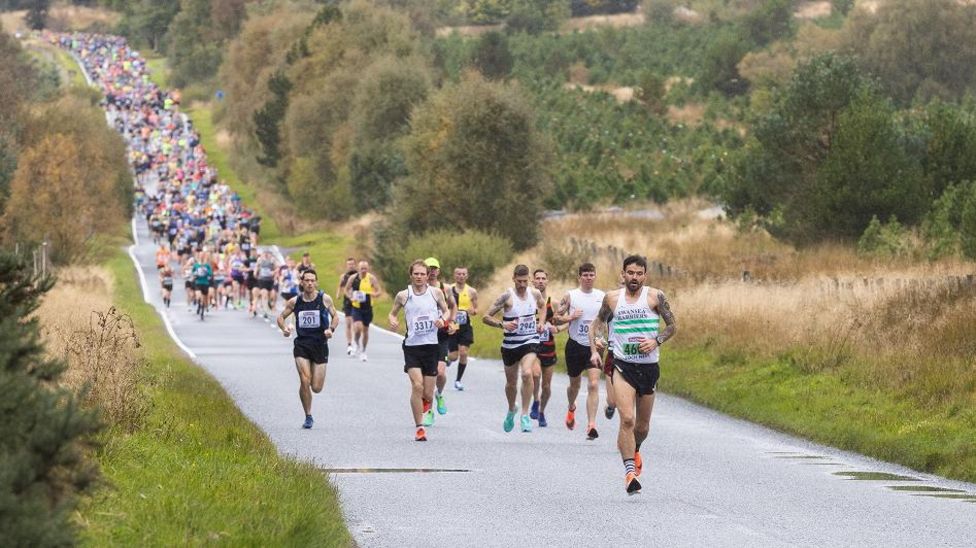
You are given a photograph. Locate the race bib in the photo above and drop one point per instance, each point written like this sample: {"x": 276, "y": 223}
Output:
{"x": 265, "y": 273}
{"x": 526, "y": 326}
{"x": 462, "y": 317}
{"x": 359, "y": 296}
{"x": 309, "y": 319}
{"x": 423, "y": 326}
{"x": 545, "y": 336}
{"x": 201, "y": 272}
{"x": 632, "y": 350}
{"x": 583, "y": 328}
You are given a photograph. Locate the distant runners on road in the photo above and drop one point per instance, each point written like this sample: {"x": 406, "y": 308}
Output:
{"x": 545, "y": 354}
{"x": 466, "y": 298}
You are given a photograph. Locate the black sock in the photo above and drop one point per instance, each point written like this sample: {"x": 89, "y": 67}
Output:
{"x": 638, "y": 447}
{"x": 461, "y": 367}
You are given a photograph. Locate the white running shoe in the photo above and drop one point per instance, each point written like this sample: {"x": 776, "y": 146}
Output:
{"x": 350, "y": 350}
{"x": 458, "y": 385}
{"x": 362, "y": 357}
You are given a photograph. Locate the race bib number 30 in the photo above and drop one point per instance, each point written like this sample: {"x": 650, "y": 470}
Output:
{"x": 583, "y": 328}
{"x": 309, "y": 319}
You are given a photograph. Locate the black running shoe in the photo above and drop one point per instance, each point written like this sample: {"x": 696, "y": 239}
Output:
{"x": 592, "y": 434}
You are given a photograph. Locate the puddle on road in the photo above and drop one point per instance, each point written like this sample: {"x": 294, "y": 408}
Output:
{"x": 924, "y": 489}
{"x": 874, "y": 476}
{"x": 392, "y": 470}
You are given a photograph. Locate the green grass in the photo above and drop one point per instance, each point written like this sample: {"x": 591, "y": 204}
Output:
{"x": 67, "y": 67}
{"x": 828, "y": 408}
{"x": 158, "y": 71}
{"x": 198, "y": 471}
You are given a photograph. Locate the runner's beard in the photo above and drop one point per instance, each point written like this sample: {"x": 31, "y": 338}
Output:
{"x": 633, "y": 286}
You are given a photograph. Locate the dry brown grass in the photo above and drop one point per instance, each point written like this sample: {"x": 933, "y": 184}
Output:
{"x": 98, "y": 342}
{"x": 825, "y": 307}
{"x": 81, "y": 18}
{"x": 812, "y": 10}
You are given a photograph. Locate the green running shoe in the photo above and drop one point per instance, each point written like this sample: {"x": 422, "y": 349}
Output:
{"x": 441, "y": 408}
{"x": 429, "y": 418}
{"x": 526, "y": 424}
{"x": 509, "y": 421}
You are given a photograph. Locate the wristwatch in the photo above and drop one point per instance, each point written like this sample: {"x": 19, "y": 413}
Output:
{"x": 659, "y": 339}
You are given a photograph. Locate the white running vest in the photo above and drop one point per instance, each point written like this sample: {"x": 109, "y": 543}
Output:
{"x": 589, "y": 303}
{"x": 421, "y": 312}
{"x": 630, "y": 324}
{"x": 522, "y": 311}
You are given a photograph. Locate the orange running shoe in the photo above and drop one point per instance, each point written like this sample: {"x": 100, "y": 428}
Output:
{"x": 638, "y": 462}
{"x": 427, "y": 404}
{"x": 571, "y": 418}
{"x": 421, "y": 435}
{"x": 633, "y": 486}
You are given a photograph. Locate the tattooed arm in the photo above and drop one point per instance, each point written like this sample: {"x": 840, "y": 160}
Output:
{"x": 664, "y": 310}
{"x": 599, "y": 325}
{"x": 562, "y": 312}
{"x": 498, "y": 306}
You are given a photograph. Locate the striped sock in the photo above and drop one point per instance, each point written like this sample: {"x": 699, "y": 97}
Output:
{"x": 629, "y": 466}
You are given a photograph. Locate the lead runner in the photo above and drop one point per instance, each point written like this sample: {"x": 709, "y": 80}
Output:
{"x": 633, "y": 314}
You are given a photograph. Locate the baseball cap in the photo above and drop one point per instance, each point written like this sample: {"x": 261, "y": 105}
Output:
{"x": 432, "y": 262}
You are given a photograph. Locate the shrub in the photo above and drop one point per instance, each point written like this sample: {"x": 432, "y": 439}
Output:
{"x": 480, "y": 252}
{"x": 45, "y": 436}
{"x": 886, "y": 240}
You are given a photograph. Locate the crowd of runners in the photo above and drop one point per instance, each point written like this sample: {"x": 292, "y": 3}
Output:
{"x": 209, "y": 239}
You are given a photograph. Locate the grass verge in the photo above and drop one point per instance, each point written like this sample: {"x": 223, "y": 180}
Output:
{"x": 198, "y": 471}
{"x": 828, "y": 408}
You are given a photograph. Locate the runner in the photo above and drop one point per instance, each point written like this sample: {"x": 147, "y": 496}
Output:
{"x": 443, "y": 333}
{"x": 460, "y": 342}
{"x": 166, "y": 281}
{"x": 202, "y": 276}
{"x": 289, "y": 280}
{"x": 317, "y": 320}
{"x": 362, "y": 289}
{"x": 519, "y": 341}
{"x": 578, "y": 309}
{"x": 264, "y": 272}
{"x": 346, "y": 303}
{"x": 307, "y": 264}
{"x": 425, "y": 311}
{"x": 546, "y": 353}
{"x": 633, "y": 314}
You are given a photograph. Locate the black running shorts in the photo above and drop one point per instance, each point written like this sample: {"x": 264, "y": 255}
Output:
{"x": 642, "y": 376}
{"x": 464, "y": 336}
{"x": 512, "y": 356}
{"x": 364, "y": 315}
{"x": 266, "y": 285}
{"x": 347, "y": 307}
{"x": 577, "y": 358}
{"x": 203, "y": 288}
{"x": 312, "y": 350}
{"x": 423, "y": 357}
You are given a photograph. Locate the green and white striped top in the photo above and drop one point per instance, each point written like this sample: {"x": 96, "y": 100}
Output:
{"x": 632, "y": 323}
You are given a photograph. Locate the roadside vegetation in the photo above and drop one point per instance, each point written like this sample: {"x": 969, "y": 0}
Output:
{"x": 837, "y": 140}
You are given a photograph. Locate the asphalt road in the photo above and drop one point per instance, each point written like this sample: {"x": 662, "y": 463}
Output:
{"x": 709, "y": 480}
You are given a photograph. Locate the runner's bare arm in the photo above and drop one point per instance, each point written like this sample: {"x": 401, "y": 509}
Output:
{"x": 340, "y": 290}
{"x": 377, "y": 287}
{"x": 285, "y": 312}
{"x": 473, "y": 311}
{"x": 599, "y": 324}
{"x": 349, "y": 284}
{"x": 333, "y": 314}
{"x": 398, "y": 302}
{"x": 444, "y": 307}
{"x": 562, "y": 311}
{"x": 664, "y": 310}
{"x": 499, "y": 305}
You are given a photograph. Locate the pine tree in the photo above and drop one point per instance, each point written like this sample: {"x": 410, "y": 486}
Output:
{"x": 44, "y": 434}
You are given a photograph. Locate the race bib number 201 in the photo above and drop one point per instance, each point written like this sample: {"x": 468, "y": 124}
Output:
{"x": 309, "y": 319}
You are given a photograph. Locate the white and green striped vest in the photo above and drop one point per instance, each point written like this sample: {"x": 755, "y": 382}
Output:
{"x": 630, "y": 324}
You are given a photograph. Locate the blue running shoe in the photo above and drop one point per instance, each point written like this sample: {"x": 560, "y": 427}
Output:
{"x": 509, "y": 421}
{"x": 542, "y": 420}
{"x": 526, "y": 424}
{"x": 441, "y": 408}
{"x": 534, "y": 413}
{"x": 429, "y": 418}
{"x": 309, "y": 421}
